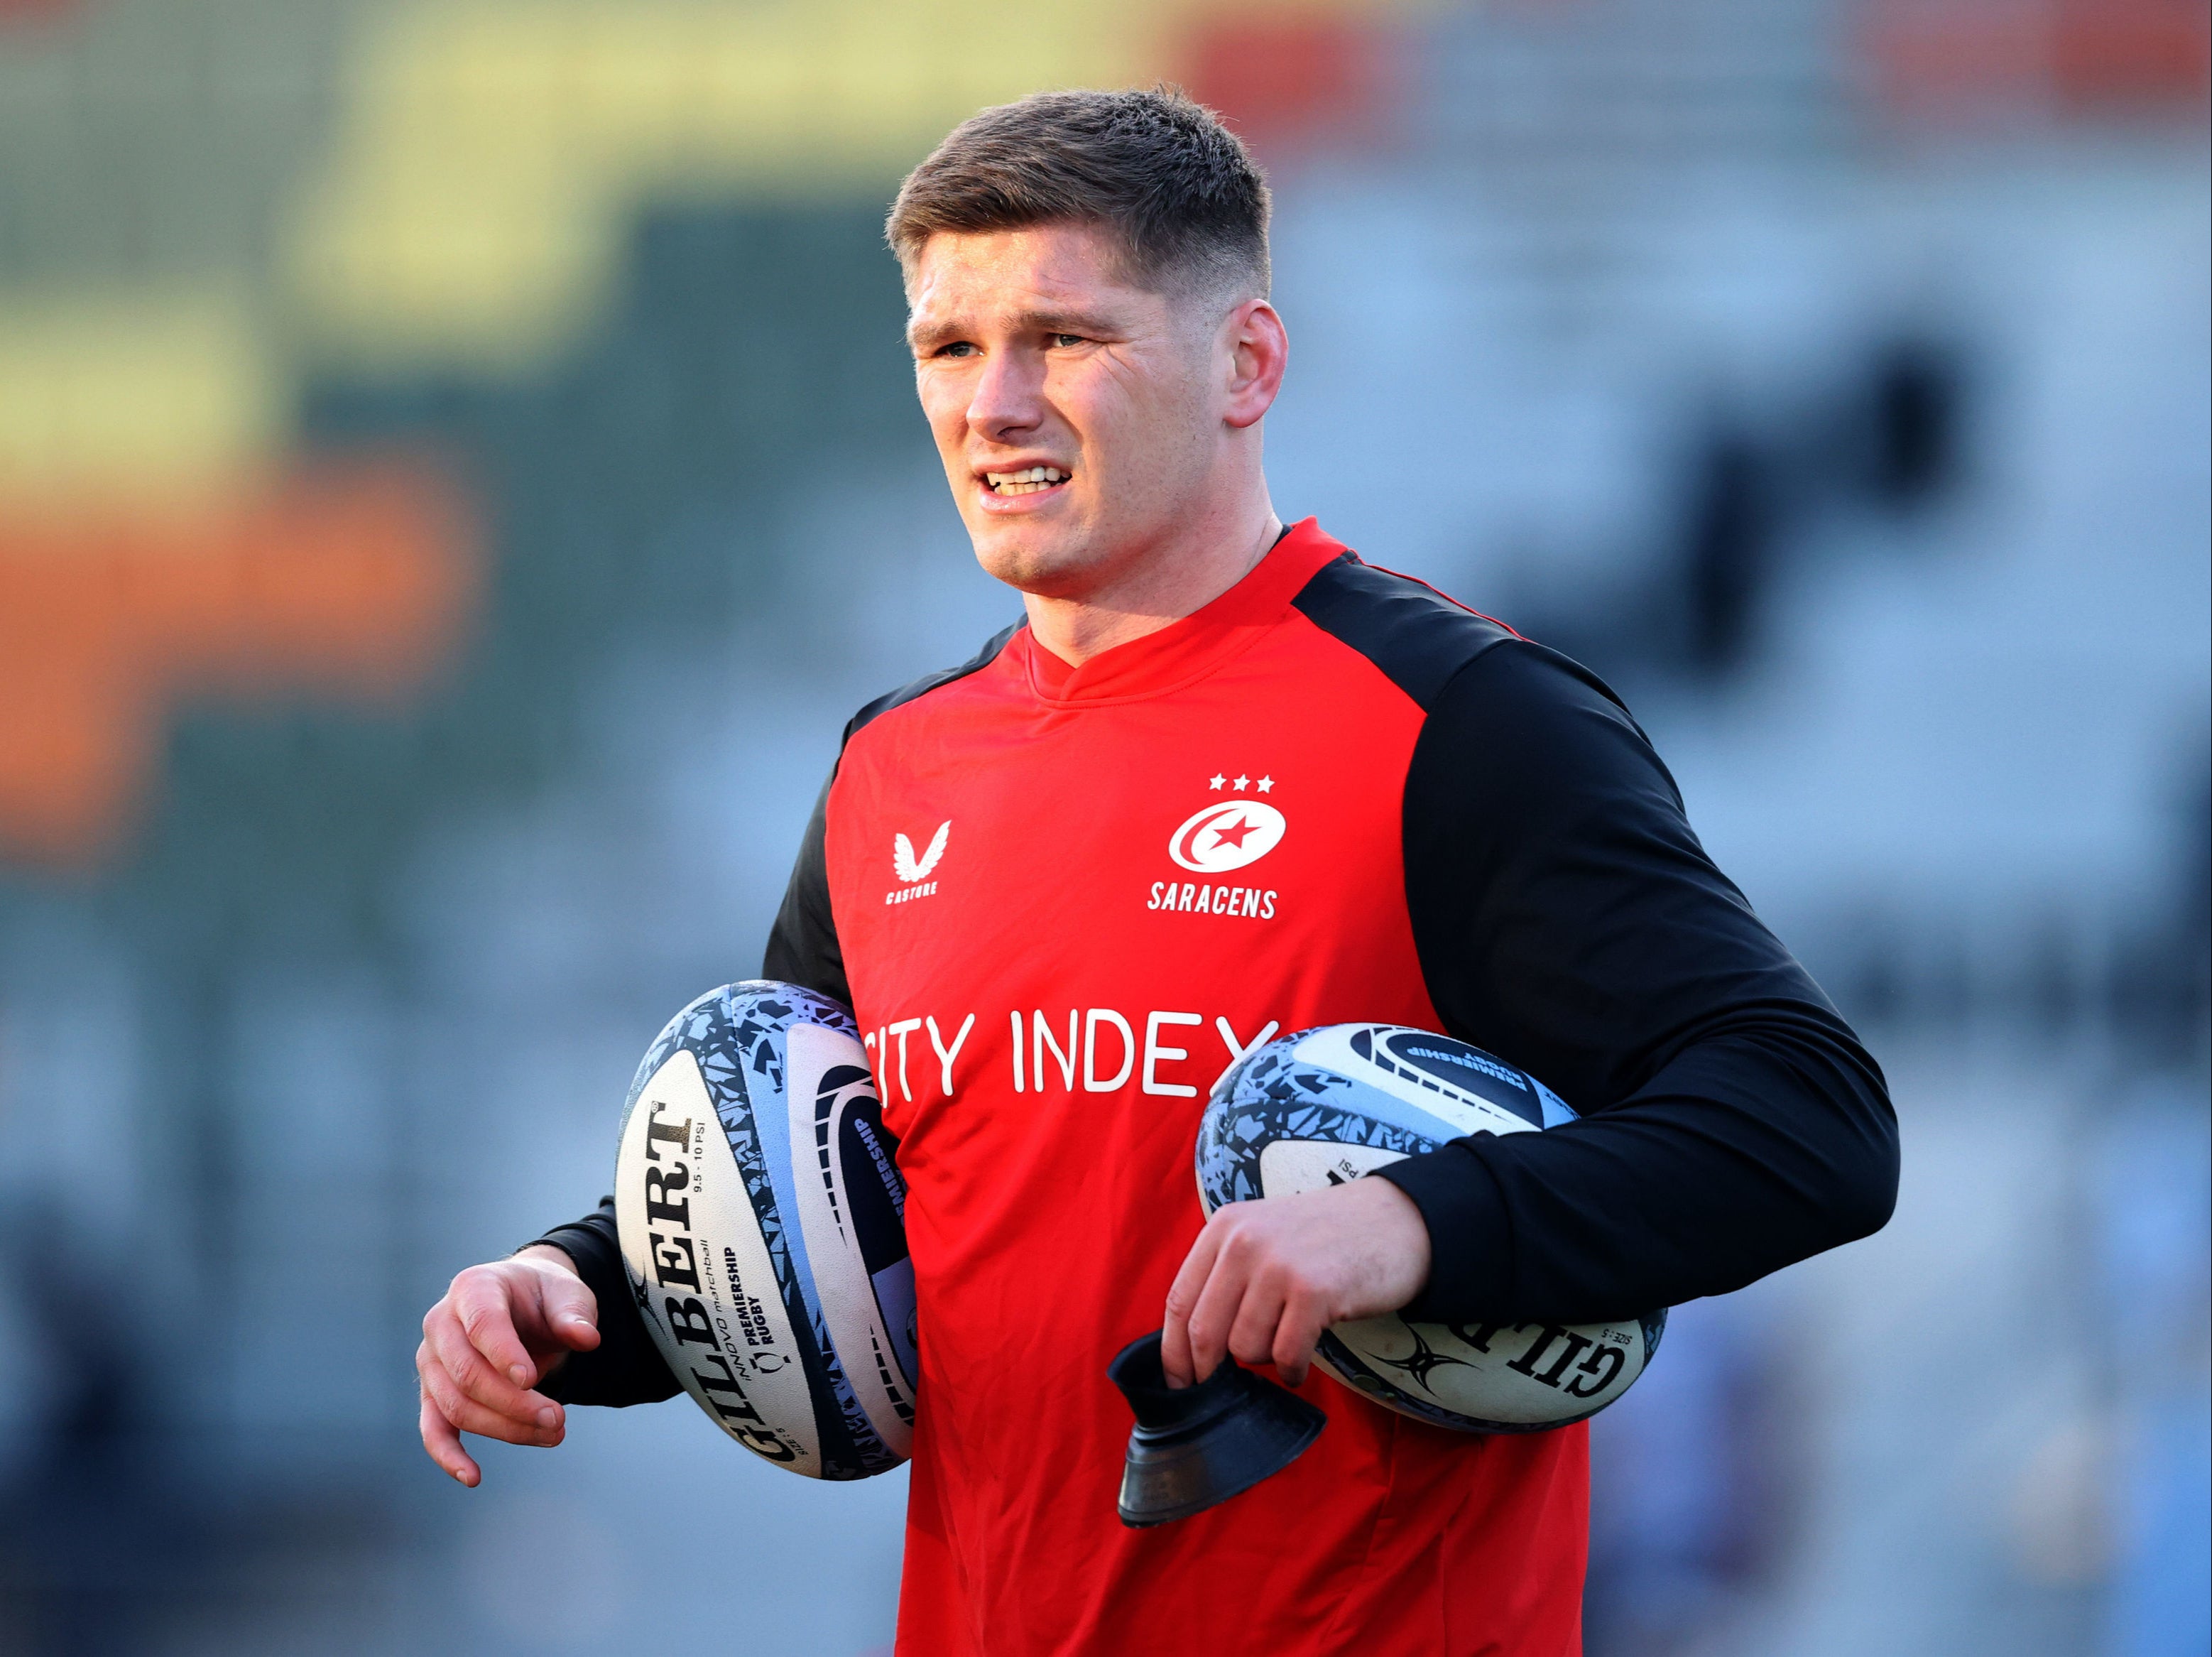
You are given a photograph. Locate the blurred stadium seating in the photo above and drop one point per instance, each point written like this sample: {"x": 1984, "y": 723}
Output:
{"x": 457, "y": 472}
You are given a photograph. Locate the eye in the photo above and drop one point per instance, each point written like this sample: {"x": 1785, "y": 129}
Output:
{"x": 1066, "y": 341}
{"x": 958, "y": 348}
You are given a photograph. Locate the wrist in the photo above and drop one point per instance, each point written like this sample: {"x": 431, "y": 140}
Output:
{"x": 1401, "y": 1235}
{"x": 550, "y": 1254}
{"x": 1471, "y": 1246}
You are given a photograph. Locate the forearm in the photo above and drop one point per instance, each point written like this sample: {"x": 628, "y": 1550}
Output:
{"x": 1570, "y": 920}
{"x": 1751, "y": 1150}
{"x": 625, "y": 1368}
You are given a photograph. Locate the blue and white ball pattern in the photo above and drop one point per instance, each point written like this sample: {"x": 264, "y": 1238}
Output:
{"x": 762, "y": 1226}
{"x": 1327, "y": 1106}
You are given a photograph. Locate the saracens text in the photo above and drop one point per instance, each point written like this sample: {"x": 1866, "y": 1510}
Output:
{"x": 1197, "y": 897}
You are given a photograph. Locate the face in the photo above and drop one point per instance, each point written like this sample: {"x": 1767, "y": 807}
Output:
{"x": 1082, "y": 423}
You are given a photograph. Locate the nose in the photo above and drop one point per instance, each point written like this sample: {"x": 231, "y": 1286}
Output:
{"x": 1008, "y": 401}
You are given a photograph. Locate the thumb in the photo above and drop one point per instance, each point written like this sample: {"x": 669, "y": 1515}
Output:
{"x": 571, "y": 1312}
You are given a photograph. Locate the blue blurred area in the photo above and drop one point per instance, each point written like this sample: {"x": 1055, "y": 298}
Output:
{"x": 1870, "y": 464}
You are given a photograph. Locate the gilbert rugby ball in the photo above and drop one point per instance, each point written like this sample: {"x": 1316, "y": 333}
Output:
{"x": 1325, "y": 1105}
{"x": 762, "y": 1225}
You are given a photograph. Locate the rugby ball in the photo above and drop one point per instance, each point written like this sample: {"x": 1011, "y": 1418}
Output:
{"x": 1325, "y": 1107}
{"x": 762, "y": 1226}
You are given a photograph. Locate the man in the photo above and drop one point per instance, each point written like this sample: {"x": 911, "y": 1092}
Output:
{"x": 1432, "y": 821}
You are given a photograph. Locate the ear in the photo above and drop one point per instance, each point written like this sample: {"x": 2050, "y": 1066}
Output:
{"x": 1258, "y": 350}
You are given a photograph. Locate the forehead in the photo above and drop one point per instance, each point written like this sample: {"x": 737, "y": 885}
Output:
{"x": 975, "y": 277}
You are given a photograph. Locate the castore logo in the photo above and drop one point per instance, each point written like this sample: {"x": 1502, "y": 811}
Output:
{"x": 903, "y": 859}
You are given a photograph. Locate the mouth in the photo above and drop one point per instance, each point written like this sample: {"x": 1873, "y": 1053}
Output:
{"x": 1028, "y": 480}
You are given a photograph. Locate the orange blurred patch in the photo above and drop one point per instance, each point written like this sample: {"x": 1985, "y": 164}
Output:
{"x": 1280, "y": 81}
{"x": 36, "y": 11}
{"x": 1951, "y": 59}
{"x": 350, "y": 582}
{"x": 2138, "y": 53}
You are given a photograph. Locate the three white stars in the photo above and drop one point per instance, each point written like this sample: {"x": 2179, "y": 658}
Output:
{"x": 1267, "y": 783}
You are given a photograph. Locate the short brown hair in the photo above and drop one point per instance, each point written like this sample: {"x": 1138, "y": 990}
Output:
{"x": 1177, "y": 189}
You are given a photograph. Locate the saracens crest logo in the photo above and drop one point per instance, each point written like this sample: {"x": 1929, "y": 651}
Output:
{"x": 1217, "y": 839}
{"x": 914, "y": 871}
{"x": 1226, "y": 835}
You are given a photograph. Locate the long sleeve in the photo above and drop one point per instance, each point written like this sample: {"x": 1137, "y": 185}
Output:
{"x": 626, "y": 1367}
{"x": 802, "y": 944}
{"x": 1568, "y": 921}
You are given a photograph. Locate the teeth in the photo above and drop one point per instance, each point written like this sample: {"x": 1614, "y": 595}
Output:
{"x": 1028, "y": 481}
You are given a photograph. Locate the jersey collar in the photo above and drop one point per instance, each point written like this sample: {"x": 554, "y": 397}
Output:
{"x": 1186, "y": 650}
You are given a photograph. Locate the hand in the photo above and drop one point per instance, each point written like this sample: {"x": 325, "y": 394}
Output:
{"x": 500, "y": 1329}
{"x": 1265, "y": 1277}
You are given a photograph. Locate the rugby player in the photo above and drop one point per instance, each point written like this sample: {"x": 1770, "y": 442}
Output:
{"x": 1226, "y": 780}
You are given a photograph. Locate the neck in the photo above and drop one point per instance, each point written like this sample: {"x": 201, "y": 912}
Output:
{"x": 1162, "y": 586}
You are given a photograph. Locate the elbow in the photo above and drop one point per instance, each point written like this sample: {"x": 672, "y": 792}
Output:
{"x": 1866, "y": 1208}
{"x": 1846, "y": 1139}
{"x": 1861, "y": 1186}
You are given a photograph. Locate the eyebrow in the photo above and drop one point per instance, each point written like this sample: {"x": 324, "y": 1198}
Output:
{"x": 1089, "y": 324}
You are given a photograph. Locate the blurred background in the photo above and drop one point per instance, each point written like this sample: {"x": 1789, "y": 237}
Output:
{"x": 457, "y": 472}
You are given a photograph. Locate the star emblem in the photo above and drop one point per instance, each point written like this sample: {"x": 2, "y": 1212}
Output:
{"x": 1242, "y": 783}
{"x": 1267, "y": 783}
{"x": 1219, "y": 779}
{"x": 1235, "y": 837}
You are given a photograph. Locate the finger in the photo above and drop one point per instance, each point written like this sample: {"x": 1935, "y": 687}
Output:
{"x": 465, "y": 1413}
{"x": 483, "y": 1301}
{"x": 463, "y": 1359}
{"x": 1252, "y": 1333}
{"x": 444, "y": 1445}
{"x": 1297, "y": 1333}
{"x": 1176, "y": 1360}
{"x": 568, "y": 1309}
{"x": 466, "y": 1376}
{"x": 1218, "y": 1302}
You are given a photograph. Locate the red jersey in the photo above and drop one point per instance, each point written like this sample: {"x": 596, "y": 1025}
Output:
{"x": 1066, "y": 899}
{"x": 1062, "y": 900}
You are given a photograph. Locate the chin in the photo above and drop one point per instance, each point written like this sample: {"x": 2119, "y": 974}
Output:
{"x": 1049, "y": 565}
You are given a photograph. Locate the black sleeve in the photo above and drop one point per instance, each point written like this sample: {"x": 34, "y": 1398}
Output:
{"x": 802, "y": 944}
{"x": 1568, "y": 921}
{"x": 625, "y": 1368}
